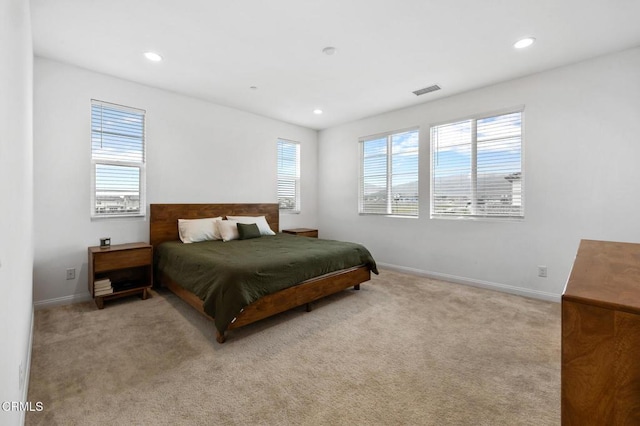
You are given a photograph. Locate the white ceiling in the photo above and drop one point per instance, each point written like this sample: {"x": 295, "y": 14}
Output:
{"x": 215, "y": 50}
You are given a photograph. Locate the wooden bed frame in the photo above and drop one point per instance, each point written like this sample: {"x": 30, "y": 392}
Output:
{"x": 163, "y": 226}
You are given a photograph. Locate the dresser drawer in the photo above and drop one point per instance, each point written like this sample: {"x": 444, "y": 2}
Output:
{"x": 109, "y": 261}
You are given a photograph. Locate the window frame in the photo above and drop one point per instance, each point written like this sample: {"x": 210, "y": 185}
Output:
{"x": 474, "y": 166}
{"x": 141, "y": 166}
{"x": 389, "y": 174}
{"x": 297, "y": 207}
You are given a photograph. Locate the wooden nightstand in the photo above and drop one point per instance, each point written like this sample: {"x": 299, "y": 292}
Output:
{"x": 127, "y": 268}
{"x": 304, "y": 232}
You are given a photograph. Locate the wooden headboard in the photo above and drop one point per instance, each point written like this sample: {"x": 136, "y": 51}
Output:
{"x": 163, "y": 223}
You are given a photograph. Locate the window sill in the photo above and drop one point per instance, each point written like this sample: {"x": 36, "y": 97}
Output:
{"x": 398, "y": 216}
{"x": 479, "y": 218}
{"x": 120, "y": 216}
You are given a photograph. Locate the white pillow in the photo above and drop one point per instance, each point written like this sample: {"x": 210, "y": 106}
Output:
{"x": 261, "y": 221}
{"x": 194, "y": 230}
{"x": 228, "y": 229}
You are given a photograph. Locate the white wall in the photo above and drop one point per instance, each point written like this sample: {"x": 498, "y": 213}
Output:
{"x": 197, "y": 152}
{"x": 582, "y": 177}
{"x": 16, "y": 212}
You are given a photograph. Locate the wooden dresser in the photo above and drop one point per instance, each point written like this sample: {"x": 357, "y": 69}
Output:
{"x": 601, "y": 336}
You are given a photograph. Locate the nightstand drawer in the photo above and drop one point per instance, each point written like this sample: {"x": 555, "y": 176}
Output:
{"x": 111, "y": 260}
{"x": 313, "y": 234}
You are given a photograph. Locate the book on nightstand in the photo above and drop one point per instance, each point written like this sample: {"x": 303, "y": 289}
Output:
{"x": 102, "y": 287}
{"x": 104, "y": 292}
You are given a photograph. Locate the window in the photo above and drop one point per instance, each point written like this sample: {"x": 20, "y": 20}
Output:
{"x": 117, "y": 160}
{"x": 389, "y": 174}
{"x": 477, "y": 167}
{"x": 289, "y": 176}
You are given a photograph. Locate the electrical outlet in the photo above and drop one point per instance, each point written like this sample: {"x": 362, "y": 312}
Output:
{"x": 71, "y": 273}
{"x": 542, "y": 271}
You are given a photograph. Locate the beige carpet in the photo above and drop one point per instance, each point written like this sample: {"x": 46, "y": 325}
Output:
{"x": 404, "y": 350}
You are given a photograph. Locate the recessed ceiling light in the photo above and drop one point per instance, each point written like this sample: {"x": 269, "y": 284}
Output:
{"x": 317, "y": 111}
{"x": 329, "y": 50}
{"x": 152, "y": 56}
{"x": 524, "y": 42}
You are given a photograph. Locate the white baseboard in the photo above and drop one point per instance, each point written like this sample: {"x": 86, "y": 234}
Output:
{"x": 65, "y": 300}
{"x": 27, "y": 372}
{"x": 551, "y": 297}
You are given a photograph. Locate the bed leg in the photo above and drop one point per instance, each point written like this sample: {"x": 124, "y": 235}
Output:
{"x": 356, "y": 287}
{"x": 308, "y": 307}
{"x": 220, "y": 337}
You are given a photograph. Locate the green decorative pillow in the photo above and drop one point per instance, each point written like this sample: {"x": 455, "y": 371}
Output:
{"x": 248, "y": 230}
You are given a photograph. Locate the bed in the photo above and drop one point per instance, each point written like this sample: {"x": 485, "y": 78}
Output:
{"x": 232, "y": 297}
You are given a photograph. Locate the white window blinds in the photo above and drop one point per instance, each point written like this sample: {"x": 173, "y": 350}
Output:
{"x": 476, "y": 167}
{"x": 118, "y": 160}
{"x": 289, "y": 176}
{"x": 389, "y": 174}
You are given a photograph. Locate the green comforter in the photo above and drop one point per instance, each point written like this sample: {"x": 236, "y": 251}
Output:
{"x": 230, "y": 275}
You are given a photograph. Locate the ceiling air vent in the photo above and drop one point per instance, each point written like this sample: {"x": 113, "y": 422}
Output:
{"x": 427, "y": 90}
